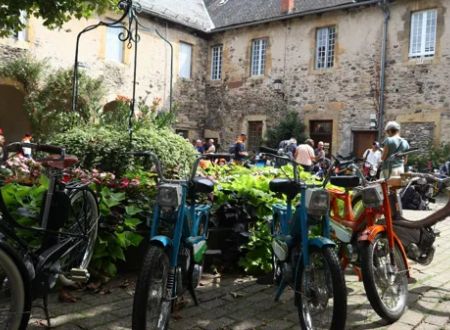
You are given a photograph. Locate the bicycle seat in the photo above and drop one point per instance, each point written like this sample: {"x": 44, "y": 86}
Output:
{"x": 58, "y": 163}
{"x": 285, "y": 186}
{"x": 202, "y": 185}
{"x": 345, "y": 181}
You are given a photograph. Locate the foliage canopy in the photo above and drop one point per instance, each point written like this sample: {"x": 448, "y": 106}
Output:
{"x": 289, "y": 126}
{"x": 54, "y": 13}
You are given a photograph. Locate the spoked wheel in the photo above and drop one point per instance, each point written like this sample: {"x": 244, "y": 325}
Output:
{"x": 321, "y": 294}
{"x": 14, "y": 302}
{"x": 276, "y": 264}
{"x": 83, "y": 220}
{"x": 151, "y": 305}
{"x": 386, "y": 284}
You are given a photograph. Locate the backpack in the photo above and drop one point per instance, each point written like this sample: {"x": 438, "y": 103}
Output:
{"x": 283, "y": 147}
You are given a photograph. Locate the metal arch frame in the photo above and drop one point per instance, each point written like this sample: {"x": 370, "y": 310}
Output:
{"x": 130, "y": 35}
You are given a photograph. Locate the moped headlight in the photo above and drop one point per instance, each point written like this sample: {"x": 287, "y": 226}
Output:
{"x": 317, "y": 201}
{"x": 372, "y": 196}
{"x": 169, "y": 195}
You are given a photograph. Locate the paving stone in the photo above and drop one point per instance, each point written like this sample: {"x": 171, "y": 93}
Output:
{"x": 411, "y": 317}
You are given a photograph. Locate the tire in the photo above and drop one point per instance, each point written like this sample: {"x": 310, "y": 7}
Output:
{"x": 15, "y": 304}
{"x": 376, "y": 279}
{"x": 332, "y": 287}
{"x": 83, "y": 220}
{"x": 151, "y": 313}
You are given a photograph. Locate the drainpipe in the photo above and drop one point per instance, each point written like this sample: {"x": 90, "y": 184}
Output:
{"x": 385, "y": 7}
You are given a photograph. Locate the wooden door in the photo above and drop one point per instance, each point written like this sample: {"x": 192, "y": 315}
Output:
{"x": 362, "y": 140}
{"x": 255, "y": 130}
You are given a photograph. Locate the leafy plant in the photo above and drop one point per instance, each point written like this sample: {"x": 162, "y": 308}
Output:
{"x": 50, "y": 107}
{"x": 289, "y": 126}
{"x": 108, "y": 148}
{"x": 26, "y": 70}
{"x": 433, "y": 158}
{"x": 54, "y": 13}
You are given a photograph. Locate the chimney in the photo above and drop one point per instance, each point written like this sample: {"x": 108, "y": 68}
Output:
{"x": 286, "y": 6}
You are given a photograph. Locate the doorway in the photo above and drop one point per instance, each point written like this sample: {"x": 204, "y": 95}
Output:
{"x": 322, "y": 130}
{"x": 255, "y": 131}
{"x": 362, "y": 140}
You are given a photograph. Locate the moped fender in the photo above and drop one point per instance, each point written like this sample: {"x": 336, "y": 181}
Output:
{"x": 371, "y": 232}
{"x": 162, "y": 241}
{"x": 320, "y": 242}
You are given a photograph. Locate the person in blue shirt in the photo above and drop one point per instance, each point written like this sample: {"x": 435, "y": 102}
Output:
{"x": 392, "y": 144}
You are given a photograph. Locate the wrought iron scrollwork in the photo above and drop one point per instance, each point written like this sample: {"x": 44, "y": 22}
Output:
{"x": 129, "y": 34}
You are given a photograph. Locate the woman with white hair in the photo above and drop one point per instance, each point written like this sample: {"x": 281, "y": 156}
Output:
{"x": 391, "y": 145}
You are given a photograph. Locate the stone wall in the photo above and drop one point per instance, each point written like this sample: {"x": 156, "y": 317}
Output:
{"x": 419, "y": 135}
{"x": 348, "y": 92}
{"x": 57, "y": 47}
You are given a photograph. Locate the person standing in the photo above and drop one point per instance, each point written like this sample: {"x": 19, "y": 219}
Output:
{"x": 26, "y": 150}
{"x": 304, "y": 154}
{"x": 392, "y": 144}
{"x": 372, "y": 160}
{"x": 210, "y": 147}
{"x": 239, "y": 148}
{"x": 320, "y": 152}
{"x": 199, "y": 146}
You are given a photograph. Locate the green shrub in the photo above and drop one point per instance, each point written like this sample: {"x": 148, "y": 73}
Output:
{"x": 50, "y": 107}
{"x": 25, "y": 70}
{"x": 107, "y": 148}
{"x": 436, "y": 155}
{"x": 289, "y": 126}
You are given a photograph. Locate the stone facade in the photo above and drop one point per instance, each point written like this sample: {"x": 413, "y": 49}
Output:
{"x": 344, "y": 97}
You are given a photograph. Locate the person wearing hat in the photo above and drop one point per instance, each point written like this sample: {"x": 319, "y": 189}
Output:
{"x": 392, "y": 144}
{"x": 372, "y": 160}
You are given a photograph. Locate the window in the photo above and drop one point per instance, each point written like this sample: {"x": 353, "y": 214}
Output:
{"x": 259, "y": 47}
{"x": 22, "y": 34}
{"x": 325, "y": 41}
{"x": 423, "y": 33}
{"x": 216, "y": 62}
{"x": 185, "y": 60}
{"x": 114, "y": 46}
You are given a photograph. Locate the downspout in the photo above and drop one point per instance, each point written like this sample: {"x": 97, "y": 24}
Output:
{"x": 385, "y": 7}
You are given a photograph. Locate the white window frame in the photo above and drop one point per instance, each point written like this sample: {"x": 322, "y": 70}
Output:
{"x": 325, "y": 47}
{"x": 259, "y": 48}
{"x": 422, "y": 39}
{"x": 22, "y": 35}
{"x": 115, "y": 48}
{"x": 216, "y": 62}
{"x": 186, "y": 51}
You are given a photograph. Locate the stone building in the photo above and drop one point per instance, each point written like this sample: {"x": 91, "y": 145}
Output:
{"x": 346, "y": 66}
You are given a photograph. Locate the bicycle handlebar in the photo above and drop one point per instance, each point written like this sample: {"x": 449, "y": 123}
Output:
{"x": 47, "y": 148}
{"x": 426, "y": 176}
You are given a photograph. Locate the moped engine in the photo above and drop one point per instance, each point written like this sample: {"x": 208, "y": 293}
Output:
{"x": 418, "y": 243}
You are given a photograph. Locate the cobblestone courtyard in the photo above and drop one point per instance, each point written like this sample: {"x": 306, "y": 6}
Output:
{"x": 239, "y": 303}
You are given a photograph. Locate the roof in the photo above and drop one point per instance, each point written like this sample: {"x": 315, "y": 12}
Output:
{"x": 209, "y": 15}
{"x": 191, "y": 13}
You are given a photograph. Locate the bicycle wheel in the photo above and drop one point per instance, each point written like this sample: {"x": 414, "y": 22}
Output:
{"x": 386, "y": 285}
{"x": 15, "y": 304}
{"x": 83, "y": 220}
{"x": 321, "y": 294}
{"x": 151, "y": 305}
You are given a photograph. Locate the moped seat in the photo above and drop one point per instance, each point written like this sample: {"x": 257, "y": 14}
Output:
{"x": 285, "y": 186}
{"x": 345, "y": 181}
{"x": 202, "y": 185}
{"x": 55, "y": 161}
